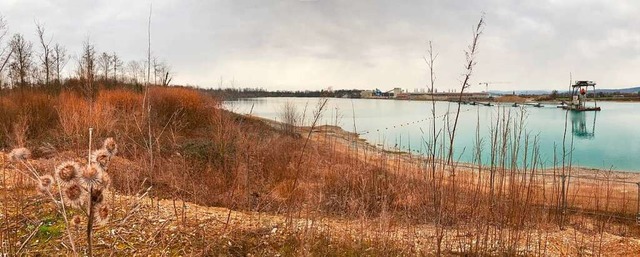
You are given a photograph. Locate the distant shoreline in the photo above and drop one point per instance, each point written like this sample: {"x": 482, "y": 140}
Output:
{"x": 530, "y": 99}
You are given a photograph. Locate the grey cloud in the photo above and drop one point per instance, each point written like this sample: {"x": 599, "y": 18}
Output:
{"x": 314, "y": 44}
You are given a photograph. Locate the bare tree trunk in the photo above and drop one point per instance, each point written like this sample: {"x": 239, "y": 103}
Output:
{"x": 6, "y": 60}
{"x": 3, "y": 33}
{"x": 60, "y": 60}
{"x": 117, "y": 63}
{"x": 87, "y": 69}
{"x": 46, "y": 54}
{"x": 155, "y": 70}
{"x": 104, "y": 61}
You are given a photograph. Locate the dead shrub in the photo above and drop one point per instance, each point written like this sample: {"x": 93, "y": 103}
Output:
{"x": 285, "y": 192}
{"x": 290, "y": 118}
{"x": 72, "y": 114}
{"x": 206, "y": 151}
{"x": 177, "y": 104}
{"x": 76, "y": 113}
{"x": 368, "y": 191}
{"x": 277, "y": 158}
{"x": 36, "y": 106}
{"x": 121, "y": 99}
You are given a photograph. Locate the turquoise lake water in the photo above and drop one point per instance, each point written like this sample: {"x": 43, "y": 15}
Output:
{"x": 609, "y": 139}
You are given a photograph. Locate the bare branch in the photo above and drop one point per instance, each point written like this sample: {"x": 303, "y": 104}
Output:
{"x": 470, "y": 56}
{"x": 60, "y": 60}
{"x": 45, "y": 56}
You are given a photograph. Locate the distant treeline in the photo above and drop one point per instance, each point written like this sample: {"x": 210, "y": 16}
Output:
{"x": 50, "y": 66}
{"x": 236, "y": 93}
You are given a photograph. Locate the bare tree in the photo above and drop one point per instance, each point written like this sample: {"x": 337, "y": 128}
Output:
{"x": 104, "y": 62}
{"x": 3, "y": 29}
{"x": 20, "y": 63}
{"x": 134, "y": 69}
{"x": 155, "y": 70}
{"x": 166, "y": 75}
{"x": 34, "y": 75}
{"x": 60, "y": 59}
{"x": 4, "y": 55}
{"x": 45, "y": 56}
{"x": 87, "y": 68}
{"x": 117, "y": 65}
{"x": 162, "y": 72}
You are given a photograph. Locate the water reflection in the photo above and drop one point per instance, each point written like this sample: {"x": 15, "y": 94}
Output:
{"x": 579, "y": 126}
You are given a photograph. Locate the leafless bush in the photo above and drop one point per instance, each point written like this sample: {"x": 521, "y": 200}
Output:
{"x": 290, "y": 117}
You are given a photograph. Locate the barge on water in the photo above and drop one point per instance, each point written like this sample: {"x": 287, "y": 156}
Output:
{"x": 579, "y": 97}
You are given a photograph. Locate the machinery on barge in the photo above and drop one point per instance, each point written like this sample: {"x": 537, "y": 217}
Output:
{"x": 579, "y": 97}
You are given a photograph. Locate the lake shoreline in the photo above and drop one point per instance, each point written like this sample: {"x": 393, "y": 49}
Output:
{"x": 494, "y": 100}
{"x": 349, "y": 139}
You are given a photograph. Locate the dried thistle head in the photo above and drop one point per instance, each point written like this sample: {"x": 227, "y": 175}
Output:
{"x": 67, "y": 172}
{"x": 102, "y": 213}
{"x": 101, "y": 157}
{"x": 96, "y": 196}
{"x": 19, "y": 154}
{"x": 45, "y": 183}
{"x": 110, "y": 145}
{"x": 76, "y": 221}
{"x": 92, "y": 175}
{"x": 74, "y": 195}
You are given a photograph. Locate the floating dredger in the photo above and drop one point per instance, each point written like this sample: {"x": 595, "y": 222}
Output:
{"x": 579, "y": 97}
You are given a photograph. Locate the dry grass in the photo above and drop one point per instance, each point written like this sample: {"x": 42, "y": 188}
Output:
{"x": 142, "y": 226}
{"x": 391, "y": 204}
{"x": 20, "y": 107}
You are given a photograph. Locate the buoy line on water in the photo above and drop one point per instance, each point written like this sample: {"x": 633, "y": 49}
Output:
{"x": 410, "y": 123}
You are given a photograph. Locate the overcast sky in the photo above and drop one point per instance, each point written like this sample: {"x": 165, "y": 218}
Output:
{"x": 314, "y": 44}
